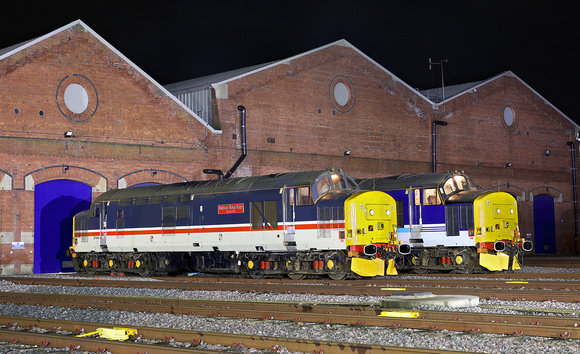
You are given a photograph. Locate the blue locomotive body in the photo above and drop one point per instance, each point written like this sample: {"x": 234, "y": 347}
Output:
{"x": 446, "y": 223}
{"x": 289, "y": 223}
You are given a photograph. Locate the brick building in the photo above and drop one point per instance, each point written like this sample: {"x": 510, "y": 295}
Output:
{"x": 78, "y": 118}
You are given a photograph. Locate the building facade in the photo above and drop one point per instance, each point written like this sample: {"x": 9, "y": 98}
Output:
{"x": 78, "y": 118}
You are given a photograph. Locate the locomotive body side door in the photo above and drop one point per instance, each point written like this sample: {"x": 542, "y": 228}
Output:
{"x": 103, "y": 226}
{"x": 415, "y": 217}
{"x": 288, "y": 205}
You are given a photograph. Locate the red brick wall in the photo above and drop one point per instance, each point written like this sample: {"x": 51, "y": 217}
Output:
{"x": 293, "y": 123}
{"x": 130, "y": 129}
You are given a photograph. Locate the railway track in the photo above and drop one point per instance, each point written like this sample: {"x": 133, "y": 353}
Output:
{"x": 566, "y": 291}
{"x": 297, "y": 314}
{"x": 165, "y": 340}
{"x": 347, "y": 314}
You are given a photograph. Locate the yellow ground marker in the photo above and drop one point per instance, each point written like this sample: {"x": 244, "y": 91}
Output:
{"x": 399, "y": 314}
{"x": 516, "y": 282}
{"x": 394, "y": 289}
{"x": 120, "y": 334}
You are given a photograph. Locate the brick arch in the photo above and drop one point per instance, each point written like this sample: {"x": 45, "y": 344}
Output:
{"x": 149, "y": 175}
{"x": 74, "y": 173}
{"x": 551, "y": 191}
{"x": 6, "y": 180}
{"x": 517, "y": 192}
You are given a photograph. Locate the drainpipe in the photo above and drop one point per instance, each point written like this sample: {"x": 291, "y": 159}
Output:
{"x": 233, "y": 169}
{"x": 434, "y": 142}
{"x": 571, "y": 144}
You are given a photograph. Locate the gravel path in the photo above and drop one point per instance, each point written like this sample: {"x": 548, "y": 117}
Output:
{"x": 444, "y": 340}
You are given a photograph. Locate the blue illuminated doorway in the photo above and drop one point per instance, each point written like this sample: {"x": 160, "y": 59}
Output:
{"x": 544, "y": 224}
{"x": 55, "y": 204}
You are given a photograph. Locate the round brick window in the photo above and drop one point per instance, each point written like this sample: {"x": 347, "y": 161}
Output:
{"x": 342, "y": 93}
{"x": 77, "y": 98}
{"x": 509, "y": 116}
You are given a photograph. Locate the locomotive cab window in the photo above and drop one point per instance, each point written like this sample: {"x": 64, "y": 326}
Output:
{"x": 431, "y": 197}
{"x": 338, "y": 181}
{"x": 303, "y": 196}
{"x": 323, "y": 186}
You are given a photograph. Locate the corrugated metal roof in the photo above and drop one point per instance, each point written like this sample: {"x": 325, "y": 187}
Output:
{"x": 436, "y": 94}
{"x": 13, "y": 47}
{"x": 205, "y": 82}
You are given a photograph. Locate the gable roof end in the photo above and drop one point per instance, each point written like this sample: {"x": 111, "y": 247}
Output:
{"x": 9, "y": 51}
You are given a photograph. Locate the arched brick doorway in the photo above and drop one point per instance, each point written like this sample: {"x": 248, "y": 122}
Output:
{"x": 55, "y": 204}
{"x": 544, "y": 224}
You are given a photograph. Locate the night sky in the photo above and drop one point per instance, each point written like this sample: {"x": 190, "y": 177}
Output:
{"x": 179, "y": 40}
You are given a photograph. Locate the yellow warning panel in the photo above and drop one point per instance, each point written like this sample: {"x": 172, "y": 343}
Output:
{"x": 368, "y": 267}
{"x": 116, "y": 333}
{"x": 400, "y": 314}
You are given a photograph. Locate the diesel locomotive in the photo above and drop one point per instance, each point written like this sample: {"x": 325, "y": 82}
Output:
{"x": 294, "y": 224}
{"x": 446, "y": 223}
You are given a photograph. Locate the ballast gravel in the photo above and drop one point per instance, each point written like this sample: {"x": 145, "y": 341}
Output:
{"x": 390, "y": 336}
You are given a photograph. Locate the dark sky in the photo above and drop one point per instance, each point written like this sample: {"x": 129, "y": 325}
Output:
{"x": 179, "y": 40}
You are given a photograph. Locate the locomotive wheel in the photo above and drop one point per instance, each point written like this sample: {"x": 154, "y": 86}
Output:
{"x": 336, "y": 269}
{"x": 337, "y": 275}
{"x": 254, "y": 271}
{"x": 143, "y": 265}
{"x": 86, "y": 269}
{"x": 421, "y": 271}
{"x": 296, "y": 276}
{"x": 256, "y": 275}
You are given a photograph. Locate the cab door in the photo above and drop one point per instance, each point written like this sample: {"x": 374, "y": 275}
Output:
{"x": 288, "y": 205}
{"x": 103, "y": 225}
{"x": 415, "y": 213}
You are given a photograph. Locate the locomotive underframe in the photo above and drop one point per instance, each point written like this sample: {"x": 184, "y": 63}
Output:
{"x": 453, "y": 259}
{"x": 296, "y": 265}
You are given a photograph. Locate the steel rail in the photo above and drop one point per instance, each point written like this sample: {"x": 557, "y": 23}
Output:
{"x": 227, "y": 339}
{"x": 518, "y": 292}
{"x": 351, "y": 314}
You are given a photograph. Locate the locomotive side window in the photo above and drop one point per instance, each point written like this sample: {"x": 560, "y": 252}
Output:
{"x": 182, "y": 212}
{"x": 467, "y": 221}
{"x": 120, "y": 223}
{"x": 264, "y": 215}
{"x": 95, "y": 210}
{"x": 417, "y": 197}
{"x": 168, "y": 220}
{"x": 256, "y": 215}
{"x": 400, "y": 213}
{"x": 452, "y": 220}
{"x": 271, "y": 213}
{"x": 290, "y": 196}
{"x": 303, "y": 196}
{"x": 430, "y": 197}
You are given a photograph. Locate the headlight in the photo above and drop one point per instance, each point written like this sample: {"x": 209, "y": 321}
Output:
{"x": 498, "y": 210}
{"x": 372, "y": 212}
{"x": 388, "y": 212}
{"x": 511, "y": 211}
